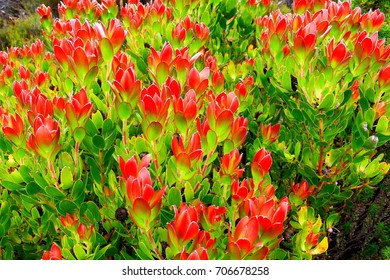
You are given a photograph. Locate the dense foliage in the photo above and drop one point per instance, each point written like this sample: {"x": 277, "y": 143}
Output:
{"x": 190, "y": 129}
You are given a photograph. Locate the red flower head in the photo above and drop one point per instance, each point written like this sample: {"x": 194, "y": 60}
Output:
{"x": 372, "y": 21}
{"x": 160, "y": 63}
{"x": 81, "y": 58}
{"x": 121, "y": 60}
{"x": 203, "y": 239}
{"x": 84, "y": 232}
{"x": 131, "y": 19}
{"x": 311, "y": 240}
{"x": 241, "y": 90}
{"x": 78, "y": 110}
{"x": 45, "y": 138}
{"x": 202, "y": 32}
{"x": 185, "y": 110}
{"x": 220, "y": 113}
{"x": 270, "y": 133}
{"x": 44, "y": 12}
{"x": 187, "y": 157}
{"x": 355, "y": 90}
{"x": 69, "y": 221}
{"x": 242, "y": 191}
{"x": 179, "y": 33}
{"x": 203, "y": 128}
{"x": 210, "y": 216}
{"x": 380, "y": 109}
{"x": 302, "y": 190}
{"x": 305, "y": 42}
{"x": 218, "y": 81}
{"x": 384, "y": 78}
{"x": 197, "y": 254}
{"x": 270, "y": 216}
{"x": 126, "y": 87}
{"x": 261, "y": 165}
{"x": 114, "y": 34}
{"x": 154, "y": 104}
{"x": 40, "y": 78}
{"x": 13, "y": 128}
{"x": 39, "y": 105}
{"x": 53, "y": 254}
{"x": 46, "y": 17}
{"x": 338, "y": 56}
{"x": 24, "y": 73}
{"x": 239, "y": 131}
{"x": 131, "y": 168}
{"x": 245, "y": 240}
{"x": 154, "y": 108}
{"x": 183, "y": 228}
{"x": 198, "y": 81}
{"x": 172, "y": 88}
{"x": 145, "y": 202}
{"x": 229, "y": 165}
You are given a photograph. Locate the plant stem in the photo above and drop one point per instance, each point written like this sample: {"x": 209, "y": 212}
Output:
{"x": 154, "y": 245}
{"x": 322, "y": 159}
{"x": 76, "y": 158}
{"x": 52, "y": 171}
{"x": 124, "y": 135}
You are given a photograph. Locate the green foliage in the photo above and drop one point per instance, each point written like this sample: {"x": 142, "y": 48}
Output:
{"x": 200, "y": 129}
{"x": 20, "y": 31}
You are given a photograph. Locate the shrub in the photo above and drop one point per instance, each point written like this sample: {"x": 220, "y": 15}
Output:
{"x": 190, "y": 129}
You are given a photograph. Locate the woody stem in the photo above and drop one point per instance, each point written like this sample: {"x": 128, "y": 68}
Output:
{"x": 124, "y": 135}
{"x": 154, "y": 245}
{"x": 52, "y": 171}
{"x": 321, "y": 160}
{"x": 76, "y": 159}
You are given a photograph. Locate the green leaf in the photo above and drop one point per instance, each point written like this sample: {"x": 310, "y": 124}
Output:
{"x": 174, "y": 197}
{"x": 98, "y": 141}
{"x": 66, "y": 254}
{"x": 107, "y": 49}
{"x": 91, "y": 128}
{"x": 66, "y": 178}
{"x": 188, "y": 191}
{"x": 67, "y": 206}
{"x": 297, "y": 114}
{"x": 297, "y": 149}
{"x": 54, "y": 192}
{"x": 108, "y": 127}
{"x": 35, "y": 213}
{"x": 124, "y": 111}
{"x": 25, "y": 173}
{"x": 95, "y": 213}
{"x": 79, "y": 252}
{"x": 153, "y": 131}
{"x": 97, "y": 119}
{"x": 100, "y": 252}
{"x": 228, "y": 146}
{"x": 162, "y": 73}
{"x": 327, "y": 102}
{"x": 32, "y": 188}
{"x": 369, "y": 117}
{"x": 146, "y": 251}
{"x": 79, "y": 134}
{"x": 68, "y": 85}
{"x": 11, "y": 186}
{"x": 211, "y": 140}
{"x": 382, "y": 125}
{"x": 4, "y": 208}
{"x": 166, "y": 215}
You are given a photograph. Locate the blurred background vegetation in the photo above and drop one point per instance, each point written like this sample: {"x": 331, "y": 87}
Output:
{"x": 363, "y": 232}
{"x": 20, "y": 23}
